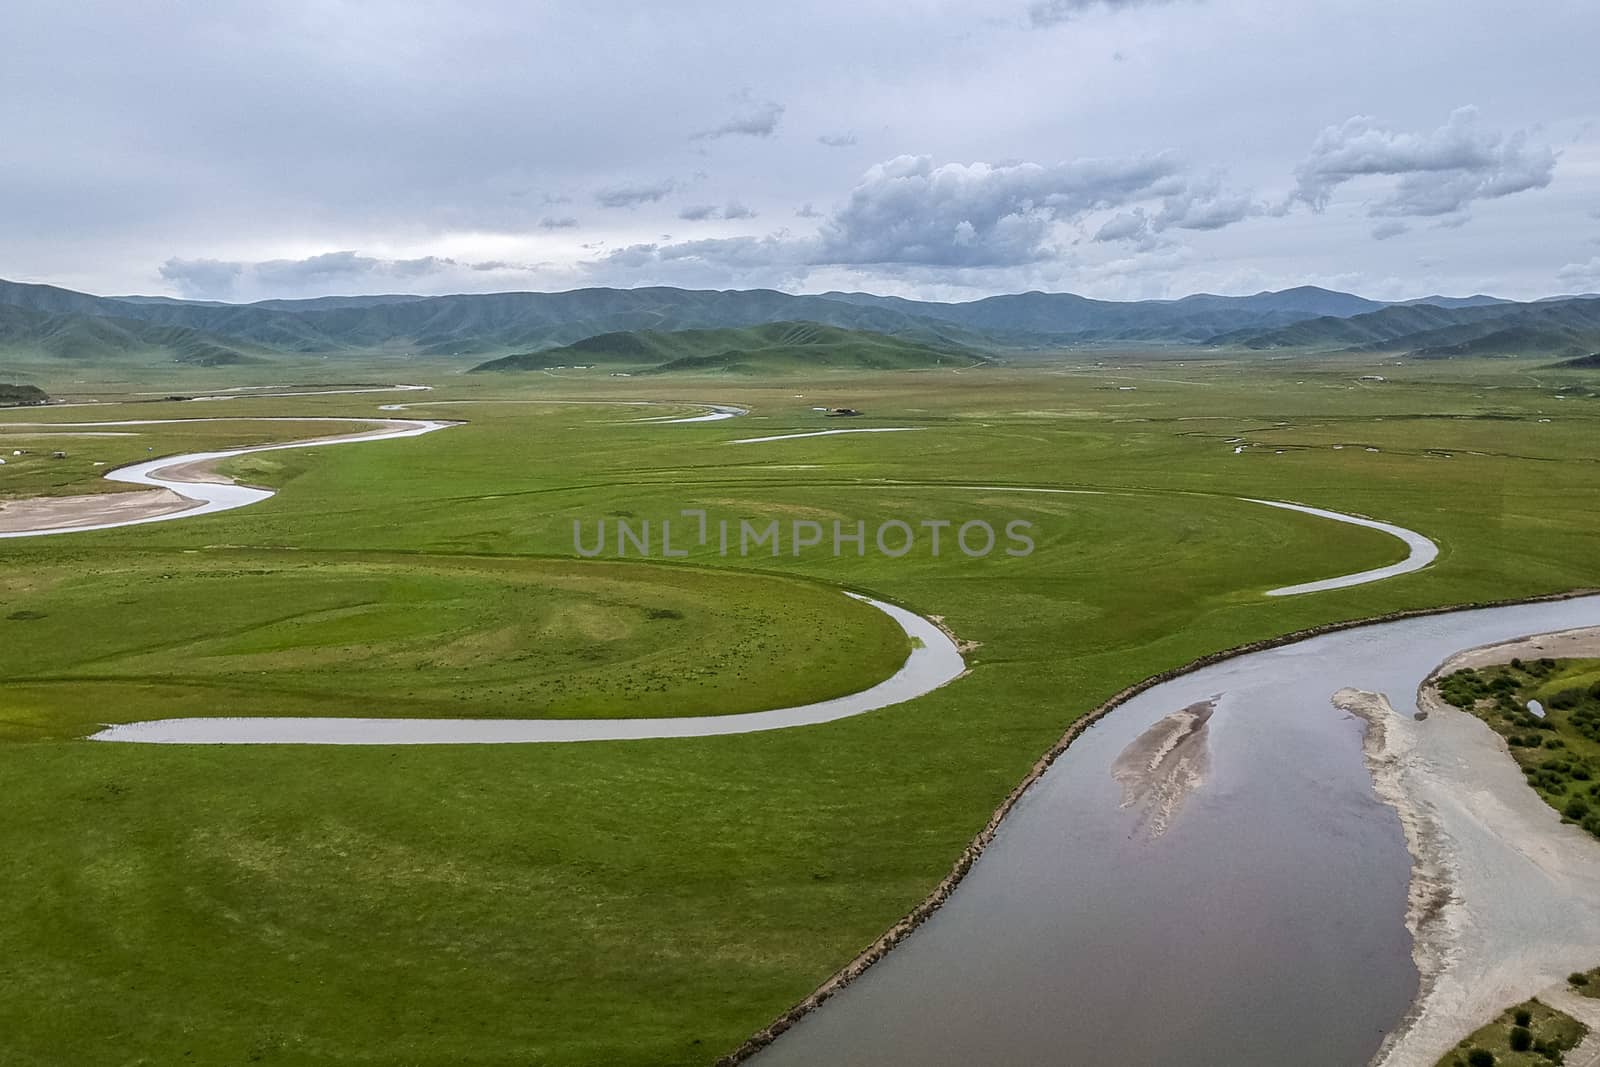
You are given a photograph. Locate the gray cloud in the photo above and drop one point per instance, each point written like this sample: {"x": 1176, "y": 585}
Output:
{"x": 330, "y": 272}
{"x": 756, "y": 119}
{"x": 1124, "y": 226}
{"x": 207, "y": 279}
{"x": 909, "y": 211}
{"x": 562, "y": 222}
{"x": 1189, "y": 204}
{"x": 1584, "y": 277}
{"x": 1389, "y": 228}
{"x": 634, "y": 195}
{"x": 703, "y": 212}
{"x": 1046, "y": 13}
{"x": 1438, "y": 173}
{"x": 1205, "y": 205}
{"x": 127, "y": 152}
{"x": 837, "y": 140}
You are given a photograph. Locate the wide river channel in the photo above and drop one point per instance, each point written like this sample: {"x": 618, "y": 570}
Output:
{"x": 1243, "y": 903}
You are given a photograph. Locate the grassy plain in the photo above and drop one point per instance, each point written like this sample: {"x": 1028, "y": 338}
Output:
{"x": 651, "y": 903}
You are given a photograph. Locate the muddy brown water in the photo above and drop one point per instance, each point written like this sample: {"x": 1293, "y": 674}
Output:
{"x": 1265, "y": 926}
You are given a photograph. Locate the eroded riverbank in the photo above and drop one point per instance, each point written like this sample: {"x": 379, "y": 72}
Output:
{"x": 1502, "y": 900}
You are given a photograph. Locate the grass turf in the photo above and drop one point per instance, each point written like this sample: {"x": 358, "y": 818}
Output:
{"x": 1531, "y": 1034}
{"x": 650, "y": 903}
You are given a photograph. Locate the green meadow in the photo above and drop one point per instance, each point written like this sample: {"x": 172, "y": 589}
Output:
{"x": 651, "y": 903}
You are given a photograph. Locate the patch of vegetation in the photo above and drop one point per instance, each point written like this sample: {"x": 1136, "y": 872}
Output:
{"x": 777, "y": 347}
{"x": 1585, "y": 983}
{"x": 21, "y": 395}
{"x": 1529, "y": 1035}
{"x": 1559, "y": 753}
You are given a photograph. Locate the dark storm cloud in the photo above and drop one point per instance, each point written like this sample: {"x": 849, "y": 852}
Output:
{"x": 1440, "y": 173}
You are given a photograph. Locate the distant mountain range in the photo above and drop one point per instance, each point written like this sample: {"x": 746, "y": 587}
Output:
{"x": 775, "y": 348}
{"x": 46, "y": 322}
{"x": 1544, "y": 328}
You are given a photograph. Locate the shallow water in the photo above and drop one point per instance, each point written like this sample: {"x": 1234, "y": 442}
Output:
{"x": 934, "y": 661}
{"x": 212, "y": 497}
{"x": 1264, "y": 926}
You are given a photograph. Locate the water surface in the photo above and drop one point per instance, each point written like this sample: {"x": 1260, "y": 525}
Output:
{"x": 1265, "y": 924}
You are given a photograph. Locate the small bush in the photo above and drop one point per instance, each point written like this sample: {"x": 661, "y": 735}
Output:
{"x": 1523, "y": 1017}
{"x": 1521, "y": 1039}
{"x": 1578, "y": 978}
{"x": 1480, "y": 1057}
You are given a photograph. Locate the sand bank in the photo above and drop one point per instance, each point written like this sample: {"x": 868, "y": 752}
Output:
{"x": 1503, "y": 904}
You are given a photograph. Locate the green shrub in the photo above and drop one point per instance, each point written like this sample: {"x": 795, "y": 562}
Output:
{"x": 1578, "y": 978}
{"x": 1480, "y": 1057}
{"x": 1523, "y": 1017}
{"x": 1521, "y": 1039}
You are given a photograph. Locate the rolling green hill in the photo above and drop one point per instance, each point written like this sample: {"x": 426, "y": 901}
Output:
{"x": 157, "y": 330}
{"x": 773, "y": 348}
{"x": 89, "y": 338}
{"x": 1552, "y": 328}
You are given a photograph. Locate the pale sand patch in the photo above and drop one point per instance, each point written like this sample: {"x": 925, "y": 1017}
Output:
{"x": 1503, "y": 903}
{"x": 1162, "y": 766}
{"x": 1569, "y": 644}
{"x": 61, "y": 512}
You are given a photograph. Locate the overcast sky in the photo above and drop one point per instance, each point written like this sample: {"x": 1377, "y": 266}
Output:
{"x": 1116, "y": 148}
